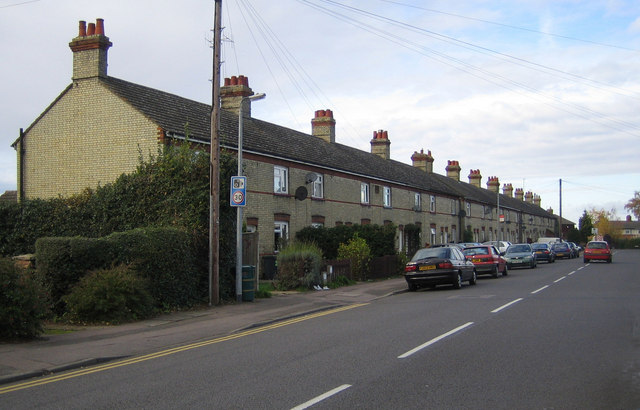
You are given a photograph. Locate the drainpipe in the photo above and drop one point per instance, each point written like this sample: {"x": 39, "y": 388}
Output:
{"x": 21, "y": 167}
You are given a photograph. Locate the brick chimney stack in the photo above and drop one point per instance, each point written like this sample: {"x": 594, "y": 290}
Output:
{"x": 475, "y": 178}
{"x": 90, "y": 51}
{"x": 537, "y": 200}
{"x": 423, "y": 161}
{"x": 324, "y": 126}
{"x": 380, "y": 144}
{"x": 528, "y": 197}
{"x": 232, "y": 94}
{"x": 507, "y": 190}
{"x": 493, "y": 184}
{"x": 453, "y": 169}
{"x": 520, "y": 194}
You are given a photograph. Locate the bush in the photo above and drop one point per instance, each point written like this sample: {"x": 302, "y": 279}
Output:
{"x": 299, "y": 265}
{"x": 359, "y": 253}
{"x": 110, "y": 295}
{"x": 23, "y": 303}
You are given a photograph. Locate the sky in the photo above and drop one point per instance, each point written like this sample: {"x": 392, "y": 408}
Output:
{"x": 532, "y": 91}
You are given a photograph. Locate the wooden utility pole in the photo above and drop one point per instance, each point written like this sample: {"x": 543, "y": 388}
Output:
{"x": 214, "y": 169}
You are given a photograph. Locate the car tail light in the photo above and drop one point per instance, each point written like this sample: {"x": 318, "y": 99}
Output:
{"x": 410, "y": 268}
{"x": 445, "y": 265}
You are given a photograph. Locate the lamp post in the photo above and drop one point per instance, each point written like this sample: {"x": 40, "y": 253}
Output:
{"x": 239, "y": 208}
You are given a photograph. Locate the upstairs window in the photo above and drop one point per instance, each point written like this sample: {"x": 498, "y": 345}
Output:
{"x": 432, "y": 203}
{"x": 417, "y": 202}
{"x": 318, "y": 187}
{"x": 468, "y": 209}
{"x": 386, "y": 197}
{"x": 280, "y": 180}
{"x": 364, "y": 193}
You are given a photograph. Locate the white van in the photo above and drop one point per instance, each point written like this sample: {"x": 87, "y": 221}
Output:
{"x": 548, "y": 239}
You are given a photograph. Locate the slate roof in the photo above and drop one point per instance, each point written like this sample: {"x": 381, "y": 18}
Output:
{"x": 172, "y": 112}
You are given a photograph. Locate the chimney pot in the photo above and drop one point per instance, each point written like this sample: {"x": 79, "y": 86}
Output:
{"x": 92, "y": 29}
{"x": 100, "y": 26}
{"x": 82, "y": 28}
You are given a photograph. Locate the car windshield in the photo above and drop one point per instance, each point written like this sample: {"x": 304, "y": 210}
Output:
{"x": 476, "y": 251}
{"x": 597, "y": 245}
{"x": 518, "y": 249}
{"x": 539, "y": 246}
{"x": 428, "y": 253}
{"x": 560, "y": 246}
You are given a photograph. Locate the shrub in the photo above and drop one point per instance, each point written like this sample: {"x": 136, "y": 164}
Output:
{"x": 381, "y": 239}
{"x": 299, "y": 265}
{"x": 23, "y": 303}
{"x": 359, "y": 253}
{"x": 110, "y": 295}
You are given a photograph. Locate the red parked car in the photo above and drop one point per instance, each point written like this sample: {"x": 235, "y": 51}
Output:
{"x": 597, "y": 250}
{"x": 487, "y": 260}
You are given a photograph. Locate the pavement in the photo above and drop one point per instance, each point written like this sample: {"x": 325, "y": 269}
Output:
{"x": 86, "y": 346}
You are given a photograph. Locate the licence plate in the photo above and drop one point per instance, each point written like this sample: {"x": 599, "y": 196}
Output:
{"x": 427, "y": 267}
{"x": 476, "y": 260}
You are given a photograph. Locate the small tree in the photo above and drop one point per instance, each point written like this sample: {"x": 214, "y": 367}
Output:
{"x": 359, "y": 253}
{"x": 634, "y": 205}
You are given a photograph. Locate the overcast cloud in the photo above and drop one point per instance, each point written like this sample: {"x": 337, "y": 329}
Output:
{"x": 529, "y": 91}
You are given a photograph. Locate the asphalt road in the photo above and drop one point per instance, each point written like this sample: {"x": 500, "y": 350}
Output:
{"x": 561, "y": 336}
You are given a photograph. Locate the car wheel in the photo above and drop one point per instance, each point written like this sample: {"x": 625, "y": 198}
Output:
{"x": 609, "y": 260}
{"x": 494, "y": 273}
{"x": 585, "y": 260}
{"x": 474, "y": 278}
{"x": 505, "y": 272}
{"x": 458, "y": 281}
{"x": 412, "y": 287}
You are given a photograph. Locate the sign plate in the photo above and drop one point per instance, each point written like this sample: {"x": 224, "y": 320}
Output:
{"x": 238, "y": 191}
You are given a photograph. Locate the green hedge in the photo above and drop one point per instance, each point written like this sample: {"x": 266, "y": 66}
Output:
{"x": 381, "y": 239}
{"x": 164, "y": 256}
{"x": 23, "y": 303}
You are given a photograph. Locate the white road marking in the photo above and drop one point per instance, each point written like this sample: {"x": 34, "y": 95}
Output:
{"x": 318, "y": 399}
{"x": 559, "y": 279}
{"x": 571, "y": 273}
{"x": 432, "y": 341}
{"x": 506, "y": 306}
{"x": 540, "y": 290}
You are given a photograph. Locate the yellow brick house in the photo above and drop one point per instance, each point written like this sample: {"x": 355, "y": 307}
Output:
{"x": 99, "y": 126}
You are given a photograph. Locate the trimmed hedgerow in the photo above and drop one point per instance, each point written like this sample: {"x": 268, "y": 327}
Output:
{"x": 23, "y": 303}
{"x": 112, "y": 295}
{"x": 165, "y": 257}
{"x": 381, "y": 239}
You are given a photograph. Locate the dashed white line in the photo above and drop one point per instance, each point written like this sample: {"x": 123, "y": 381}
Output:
{"x": 435, "y": 340}
{"x": 571, "y": 273}
{"x": 539, "y": 290}
{"x": 559, "y": 279}
{"x": 506, "y": 306}
{"x": 318, "y": 399}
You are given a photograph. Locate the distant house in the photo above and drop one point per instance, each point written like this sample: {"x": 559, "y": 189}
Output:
{"x": 98, "y": 127}
{"x": 628, "y": 229}
{"x": 9, "y": 196}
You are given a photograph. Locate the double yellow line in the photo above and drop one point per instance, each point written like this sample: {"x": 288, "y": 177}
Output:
{"x": 138, "y": 359}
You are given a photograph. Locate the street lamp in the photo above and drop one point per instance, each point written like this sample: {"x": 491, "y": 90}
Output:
{"x": 254, "y": 97}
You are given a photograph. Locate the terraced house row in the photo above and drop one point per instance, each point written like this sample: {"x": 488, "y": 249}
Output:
{"x": 97, "y": 127}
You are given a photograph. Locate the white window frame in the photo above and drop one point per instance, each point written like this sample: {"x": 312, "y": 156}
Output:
{"x": 433, "y": 235}
{"x": 417, "y": 201}
{"x": 280, "y": 180}
{"x": 281, "y": 230}
{"x": 453, "y": 207}
{"x": 432, "y": 203}
{"x": 468, "y": 206}
{"x": 318, "y": 187}
{"x": 386, "y": 197}
{"x": 364, "y": 193}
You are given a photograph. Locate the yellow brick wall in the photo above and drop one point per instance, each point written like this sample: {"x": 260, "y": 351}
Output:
{"x": 88, "y": 138}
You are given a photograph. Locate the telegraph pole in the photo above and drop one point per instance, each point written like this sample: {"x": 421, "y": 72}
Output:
{"x": 214, "y": 166}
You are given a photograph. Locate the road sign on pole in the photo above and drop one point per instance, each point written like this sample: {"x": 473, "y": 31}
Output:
{"x": 238, "y": 191}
